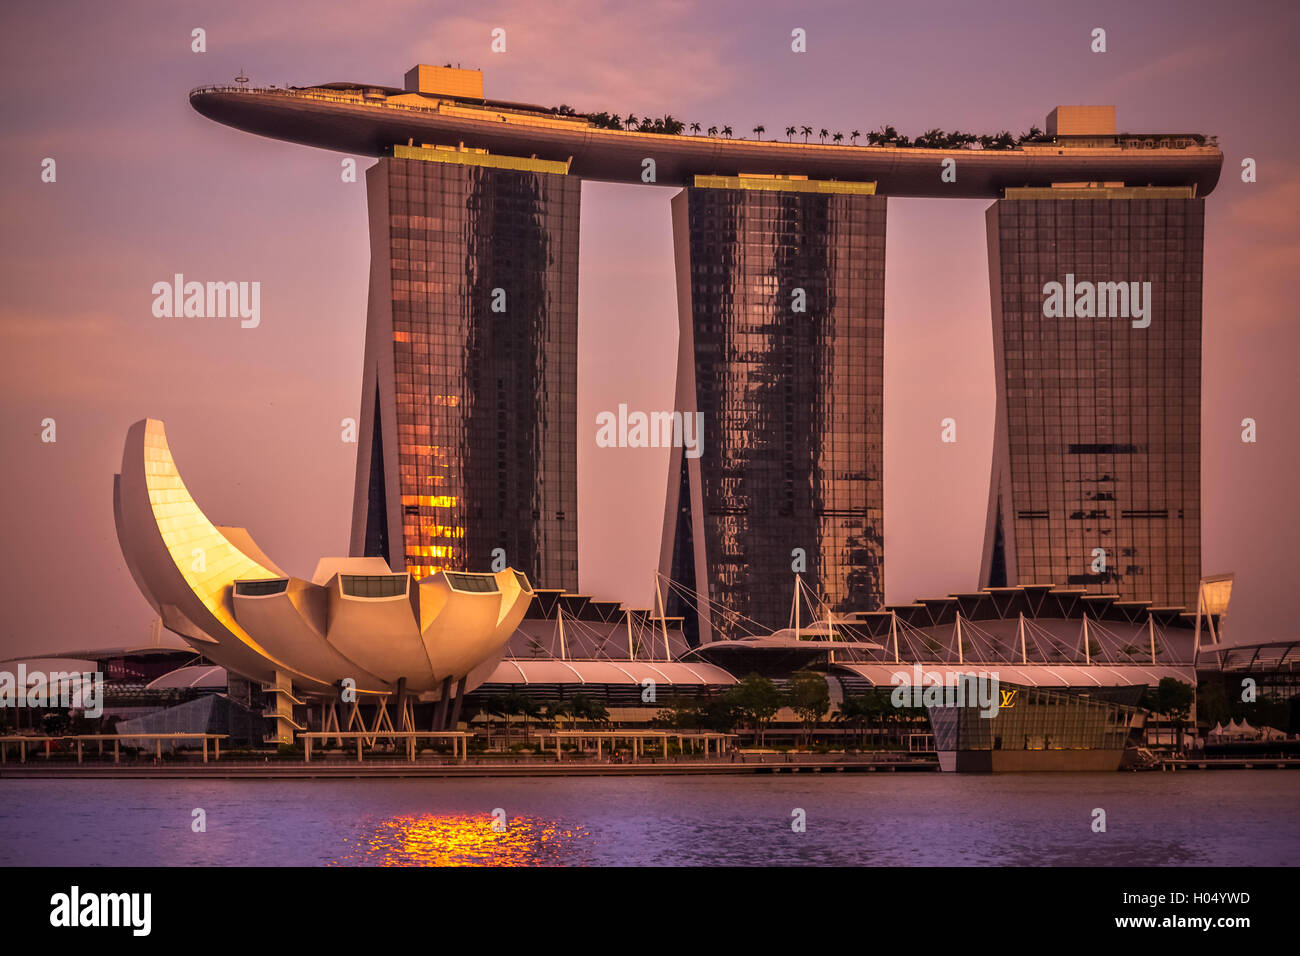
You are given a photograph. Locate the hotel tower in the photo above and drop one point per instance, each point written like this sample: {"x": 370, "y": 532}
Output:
{"x": 1096, "y": 464}
{"x": 781, "y": 302}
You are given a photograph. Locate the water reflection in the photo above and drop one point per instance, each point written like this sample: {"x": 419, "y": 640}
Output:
{"x": 854, "y": 820}
{"x": 434, "y": 839}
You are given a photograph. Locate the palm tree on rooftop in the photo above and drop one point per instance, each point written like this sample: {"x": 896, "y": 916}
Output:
{"x": 934, "y": 138}
{"x": 726, "y": 131}
{"x": 837, "y": 138}
{"x": 695, "y": 128}
{"x": 807, "y": 131}
{"x": 789, "y": 132}
{"x": 630, "y": 121}
{"x": 759, "y": 131}
{"x": 825, "y": 133}
{"x": 853, "y": 137}
{"x": 713, "y": 131}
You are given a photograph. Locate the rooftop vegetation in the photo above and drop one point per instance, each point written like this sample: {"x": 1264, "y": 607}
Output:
{"x": 885, "y": 136}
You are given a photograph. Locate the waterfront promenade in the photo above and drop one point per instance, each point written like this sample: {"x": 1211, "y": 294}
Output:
{"x": 558, "y": 754}
{"x": 499, "y": 765}
{"x": 494, "y": 765}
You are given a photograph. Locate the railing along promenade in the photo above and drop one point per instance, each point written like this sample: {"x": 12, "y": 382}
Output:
{"x": 645, "y": 751}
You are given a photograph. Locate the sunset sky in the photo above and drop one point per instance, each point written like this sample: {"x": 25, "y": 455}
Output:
{"x": 147, "y": 188}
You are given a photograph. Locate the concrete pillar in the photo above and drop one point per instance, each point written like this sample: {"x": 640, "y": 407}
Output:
{"x": 401, "y": 703}
{"x": 455, "y": 707}
{"x": 283, "y": 710}
{"x": 440, "y": 711}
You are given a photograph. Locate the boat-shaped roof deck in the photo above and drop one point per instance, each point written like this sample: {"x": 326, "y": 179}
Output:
{"x": 370, "y": 120}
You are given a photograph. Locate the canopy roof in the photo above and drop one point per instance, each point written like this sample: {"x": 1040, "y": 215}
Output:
{"x": 199, "y": 675}
{"x": 1028, "y": 675}
{"x": 549, "y": 671}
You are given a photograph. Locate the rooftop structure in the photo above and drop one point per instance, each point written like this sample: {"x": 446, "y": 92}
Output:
{"x": 446, "y": 106}
{"x": 1079, "y": 121}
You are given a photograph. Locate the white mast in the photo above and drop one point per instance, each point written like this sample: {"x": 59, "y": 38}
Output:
{"x": 1151, "y": 629}
{"x": 1087, "y": 650}
{"x": 960, "y": 659}
{"x": 627, "y": 616}
{"x": 559, "y": 617}
{"x": 893, "y": 632}
{"x": 797, "y": 588}
{"x": 831, "y": 633}
{"x": 1200, "y": 603}
{"x": 1024, "y": 657}
{"x": 663, "y": 619}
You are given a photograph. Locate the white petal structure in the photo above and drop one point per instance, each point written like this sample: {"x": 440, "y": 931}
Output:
{"x": 355, "y": 620}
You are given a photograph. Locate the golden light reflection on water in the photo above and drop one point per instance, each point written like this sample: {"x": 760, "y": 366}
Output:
{"x": 432, "y": 839}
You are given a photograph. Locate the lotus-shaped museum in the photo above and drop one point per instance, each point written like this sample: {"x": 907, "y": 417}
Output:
{"x": 355, "y": 620}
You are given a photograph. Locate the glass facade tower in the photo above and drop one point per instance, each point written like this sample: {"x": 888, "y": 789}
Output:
{"x": 467, "y": 442}
{"x": 1096, "y": 463}
{"x": 781, "y": 311}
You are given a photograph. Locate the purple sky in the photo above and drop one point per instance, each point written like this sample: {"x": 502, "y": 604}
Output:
{"x": 147, "y": 188}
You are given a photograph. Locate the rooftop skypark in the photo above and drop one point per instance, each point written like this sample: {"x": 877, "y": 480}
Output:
{"x": 445, "y": 107}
